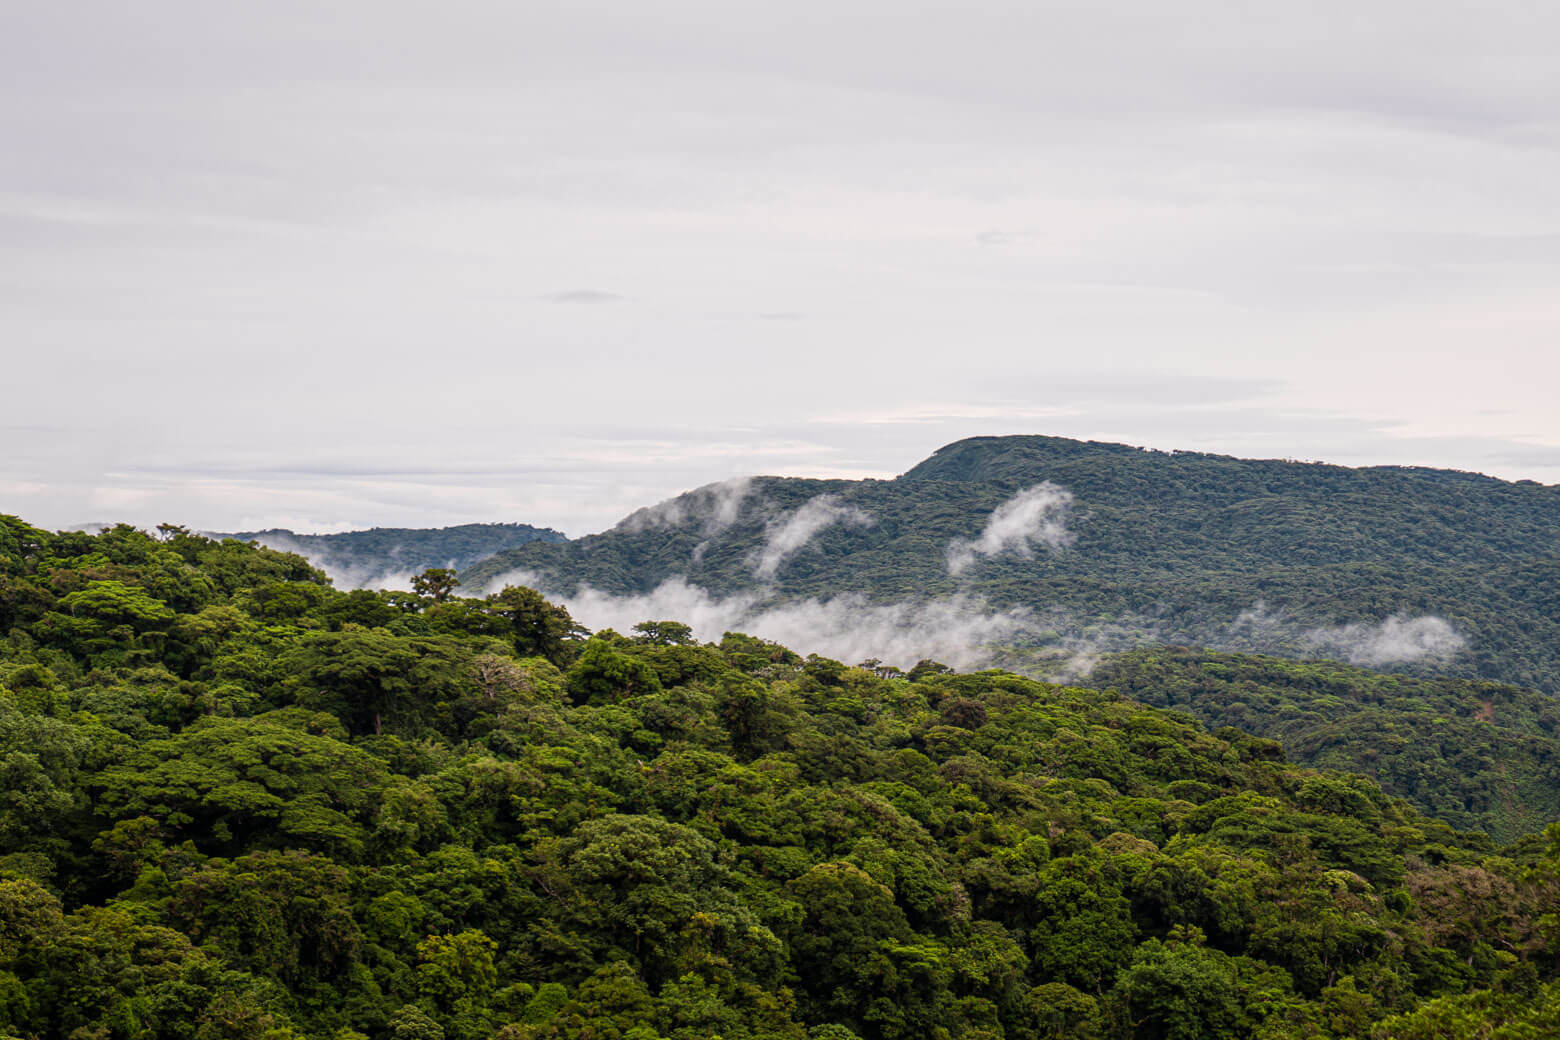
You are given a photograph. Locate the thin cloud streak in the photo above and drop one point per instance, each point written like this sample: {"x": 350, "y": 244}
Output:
{"x": 787, "y": 535}
{"x": 584, "y": 296}
{"x": 1034, "y": 516}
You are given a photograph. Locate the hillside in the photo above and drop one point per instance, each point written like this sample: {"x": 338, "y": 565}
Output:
{"x": 1479, "y": 755}
{"x": 242, "y": 804}
{"x": 1414, "y": 569}
{"x": 382, "y": 556}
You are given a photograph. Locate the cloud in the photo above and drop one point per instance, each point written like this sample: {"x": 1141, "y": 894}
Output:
{"x": 718, "y": 505}
{"x": 586, "y": 296}
{"x": 297, "y": 524}
{"x": 996, "y": 238}
{"x": 787, "y": 535}
{"x": 379, "y": 574}
{"x": 1398, "y": 639}
{"x": 1034, "y": 515}
{"x": 965, "y": 631}
{"x": 961, "y": 631}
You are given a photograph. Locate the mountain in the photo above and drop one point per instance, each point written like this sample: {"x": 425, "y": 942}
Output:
{"x": 1110, "y": 546}
{"x": 241, "y": 803}
{"x": 389, "y": 555}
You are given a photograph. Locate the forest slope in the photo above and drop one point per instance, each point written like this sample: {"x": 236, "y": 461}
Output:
{"x": 1479, "y": 755}
{"x": 239, "y": 803}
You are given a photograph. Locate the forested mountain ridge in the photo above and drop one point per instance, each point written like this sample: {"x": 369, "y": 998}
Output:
{"x": 239, "y": 803}
{"x": 365, "y": 558}
{"x": 1179, "y": 547}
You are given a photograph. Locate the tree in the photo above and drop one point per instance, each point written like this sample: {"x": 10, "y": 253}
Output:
{"x": 456, "y": 967}
{"x": 369, "y": 678}
{"x": 634, "y": 884}
{"x": 413, "y": 1023}
{"x": 847, "y": 920}
{"x": 286, "y": 915}
{"x": 1063, "y": 1013}
{"x": 538, "y": 628}
{"x": 665, "y": 633}
{"x": 1181, "y": 990}
{"x": 603, "y": 674}
{"x": 436, "y": 583}
{"x": 248, "y": 782}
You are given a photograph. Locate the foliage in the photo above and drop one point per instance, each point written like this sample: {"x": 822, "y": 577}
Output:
{"x": 1479, "y": 755}
{"x": 239, "y": 803}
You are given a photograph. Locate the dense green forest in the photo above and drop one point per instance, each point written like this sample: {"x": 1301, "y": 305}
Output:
{"x": 1479, "y": 755}
{"x": 239, "y": 803}
{"x": 358, "y": 558}
{"x": 1166, "y": 547}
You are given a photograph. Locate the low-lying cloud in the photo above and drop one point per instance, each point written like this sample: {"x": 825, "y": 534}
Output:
{"x": 343, "y": 574}
{"x": 961, "y": 631}
{"x": 1034, "y": 516}
{"x": 966, "y": 632}
{"x": 1398, "y": 639}
{"x": 787, "y": 535}
{"x": 717, "y": 506}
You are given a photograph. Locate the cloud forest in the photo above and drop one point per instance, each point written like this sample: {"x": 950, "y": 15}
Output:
{"x": 239, "y": 802}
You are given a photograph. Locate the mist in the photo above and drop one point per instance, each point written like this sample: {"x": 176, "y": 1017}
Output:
{"x": 1034, "y": 516}
{"x": 344, "y": 575}
{"x": 717, "y": 505}
{"x": 785, "y": 536}
{"x": 968, "y": 633}
{"x": 962, "y": 631}
{"x": 1397, "y": 639}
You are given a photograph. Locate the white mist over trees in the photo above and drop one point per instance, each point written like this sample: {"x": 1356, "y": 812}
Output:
{"x": 786, "y": 535}
{"x": 1034, "y": 516}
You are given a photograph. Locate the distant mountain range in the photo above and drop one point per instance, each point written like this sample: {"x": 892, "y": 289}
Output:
{"x": 1105, "y": 546}
{"x": 388, "y": 556}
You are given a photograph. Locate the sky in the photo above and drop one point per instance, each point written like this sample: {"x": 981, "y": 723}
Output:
{"x": 332, "y": 265}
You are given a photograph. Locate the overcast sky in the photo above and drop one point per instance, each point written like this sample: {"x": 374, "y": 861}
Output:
{"x": 330, "y": 265}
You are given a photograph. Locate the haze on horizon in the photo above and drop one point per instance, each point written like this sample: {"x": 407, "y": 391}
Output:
{"x": 345, "y": 265}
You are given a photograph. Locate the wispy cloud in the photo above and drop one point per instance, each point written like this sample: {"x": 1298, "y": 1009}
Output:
{"x": 1034, "y": 516}
{"x": 786, "y": 535}
{"x": 714, "y": 506}
{"x": 344, "y": 574}
{"x": 1398, "y": 639}
{"x": 996, "y": 238}
{"x": 960, "y": 631}
{"x": 586, "y": 296}
{"x": 967, "y": 632}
